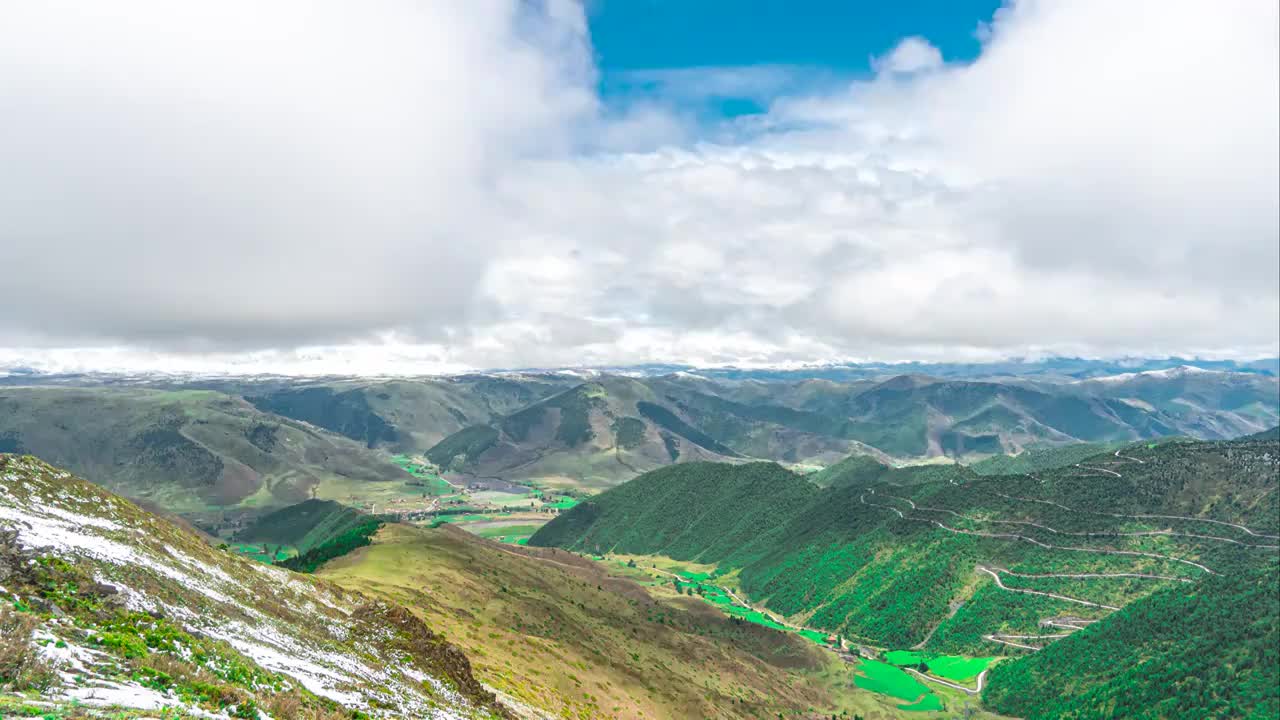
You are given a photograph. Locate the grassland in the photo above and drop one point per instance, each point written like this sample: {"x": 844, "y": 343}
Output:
{"x": 582, "y": 639}
{"x": 888, "y": 680}
{"x": 265, "y": 553}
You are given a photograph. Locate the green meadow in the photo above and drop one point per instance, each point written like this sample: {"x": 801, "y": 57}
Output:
{"x": 949, "y": 667}
{"x": 564, "y": 503}
{"x": 434, "y": 484}
{"x": 262, "y": 553}
{"x": 888, "y": 680}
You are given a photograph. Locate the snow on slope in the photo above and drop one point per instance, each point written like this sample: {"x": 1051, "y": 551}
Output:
{"x": 294, "y": 633}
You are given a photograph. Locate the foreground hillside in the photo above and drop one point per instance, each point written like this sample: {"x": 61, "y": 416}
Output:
{"x": 187, "y": 451}
{"x": 1211, "y": 652}
{"x": 947, "y": 561}
{"x": 560, "y": 633}
{"x": 111, "y": 607}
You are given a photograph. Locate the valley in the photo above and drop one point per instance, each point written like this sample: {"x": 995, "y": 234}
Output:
{"x": 672, "y": 546}
{"x": 991, "y": 566}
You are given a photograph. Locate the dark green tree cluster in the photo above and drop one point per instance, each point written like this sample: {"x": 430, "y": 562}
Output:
{"x": 357, "y": 536}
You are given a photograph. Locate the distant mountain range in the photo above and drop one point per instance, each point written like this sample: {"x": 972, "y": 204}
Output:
{"x": 228, "y": 441}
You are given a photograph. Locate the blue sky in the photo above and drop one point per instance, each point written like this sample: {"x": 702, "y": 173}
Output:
{"x": 644, "y": 47}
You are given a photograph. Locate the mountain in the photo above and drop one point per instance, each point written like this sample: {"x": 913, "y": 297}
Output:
{"x": 113, "y": 608}
{"x": 162, "y": 438}
{"x": 188, "y": 450}
{"x": 1206, "y": 654}
{"x": 1200, "y": 403}
{"x": 947, "y": 561}
{"x": 610, "y": 429}
{"x": 684, "y": 416}
{"x": 404, "y": 415}
{"x": 595, "y": 435}
{"x": 304, "y": 526}
{"x": 1038, "y": 459}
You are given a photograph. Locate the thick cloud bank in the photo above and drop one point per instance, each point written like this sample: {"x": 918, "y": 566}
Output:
{"x": 419, "y": 185}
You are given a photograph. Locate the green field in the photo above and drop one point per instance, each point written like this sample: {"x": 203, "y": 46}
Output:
{"x": 516, "y": 534}
{"x": 432, "y": 482}
{"x": 564, "y": 503}
{"x": 260, "y": 552}
{"x": 716, "y": 596}
{"x": 949, "y": 667}
{"x": 888, "y": 680}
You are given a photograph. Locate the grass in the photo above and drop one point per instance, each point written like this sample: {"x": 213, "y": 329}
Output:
{"x": 434, "y": 484}
{"x": 949, "y": 667}
{"x": 509, "y": 534}
{"x": 960, "y": 669}
{"x": 260, "y": 552}
{"x": 889, "y": 680}
{"x": 564, "y": 503}
{"x": 569, "y": 639}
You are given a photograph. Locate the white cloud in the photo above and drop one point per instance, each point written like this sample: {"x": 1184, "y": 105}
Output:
{"x": 913, "y": 54}
{"x": 1102, "y": 180}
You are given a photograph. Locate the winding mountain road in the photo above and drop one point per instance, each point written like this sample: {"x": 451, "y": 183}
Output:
{"x": 1242, "y": 528}
{"x": 1033, "y": 541}
{"x": 1002, "y": 586}
{"x": 1141, "y": 533}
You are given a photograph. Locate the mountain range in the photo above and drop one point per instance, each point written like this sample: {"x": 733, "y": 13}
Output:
{"x": 189, "y": 444}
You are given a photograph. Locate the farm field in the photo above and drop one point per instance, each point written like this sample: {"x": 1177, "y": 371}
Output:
{"x": 515, "y": 532}
{"x": 888, "y": 680}
{"x": 431, "y": 480}
{"x": 949, "y": 667}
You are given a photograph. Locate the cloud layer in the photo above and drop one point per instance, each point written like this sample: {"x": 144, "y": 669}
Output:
{"x": 436, "y": 185}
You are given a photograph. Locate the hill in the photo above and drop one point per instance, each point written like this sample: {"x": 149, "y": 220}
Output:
{"x": 595, "y": 435}
{"x": 578, "y": 638}
{"x": 113, "y": 608}
{"x": 188, "y": 450}
{"x": 404, "y": 415}
{"x": 303, "y": 526}
{"x": 1038, "y": 459}
{"x": 1206, "y": 654}
{"x": 604, "y": 432}
{"x": 939, "y": 558}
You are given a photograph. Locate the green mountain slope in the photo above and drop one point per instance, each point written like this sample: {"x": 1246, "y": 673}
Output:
{"x": 405, "y": 415}
{"x": 594, "y": 435}
{"x": 1209, "y": 653}
{"x": 188, "y": 450}
{"x": 302, "y": 526}
{"x": 110, "y": 607}
{"x": 944, "y": 558}
{"x": 1038, "y": 459}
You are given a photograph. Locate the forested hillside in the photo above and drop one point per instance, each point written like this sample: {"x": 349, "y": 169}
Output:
{"x": 302, "y": 526}
{"x": 1211, "y": 652}
{"x": 1038, "y": 459}
{"x": 950, "y": 561}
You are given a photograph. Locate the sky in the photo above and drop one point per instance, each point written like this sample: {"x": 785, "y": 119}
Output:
{"x": 418, "y": 186}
